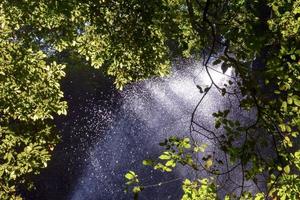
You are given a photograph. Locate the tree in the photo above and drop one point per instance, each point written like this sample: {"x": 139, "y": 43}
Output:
{"x": 133, "y": 40}
{"x": 125, "y": 38}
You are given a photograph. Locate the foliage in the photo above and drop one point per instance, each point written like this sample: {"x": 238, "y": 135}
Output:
{"x": 29, "y": 95}
{"x": 260, "y": 40}
{"x": 25, "y": 149}
{"x": 129, "y": 40}
{"x": 198, "y": 189}
{"x": 133, "y": 40}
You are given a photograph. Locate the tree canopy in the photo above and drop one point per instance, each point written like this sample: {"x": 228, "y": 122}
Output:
{"x": 133, "y": 40}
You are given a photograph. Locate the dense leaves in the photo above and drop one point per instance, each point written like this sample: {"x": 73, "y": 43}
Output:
{"x": 25, "y": 149}
{"x": 129, "y": 40}
{"x": 29, "y": 94}
{"x": 133, "y": 40}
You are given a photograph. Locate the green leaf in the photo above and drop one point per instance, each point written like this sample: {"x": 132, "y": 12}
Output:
{"x": 200, "y": 148}
{"x": 287, "y": 169}
{"x": 293, "y": 57}
{"x": 187, "y": 145}
{"x": 170, "y": 163}
{"x": 186, "y": 182}
{"x": 259, "y": 196}
{"x": 208, "y": 163}
{"x": 217, "y": 124}
{"x": 130, "y": 175}
{"x": 136, "y": 189}
{"x": 165, "y": 156}
{"x": 148, "y": 162}
{"x": 284, "y": 106}
{"x": 167, "y": 169}
{"x": 296, "y": 100}
{"x": 282, "y": 127}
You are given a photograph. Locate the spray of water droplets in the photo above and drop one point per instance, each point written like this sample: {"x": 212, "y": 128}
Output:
{"x": 108, "y": 132}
